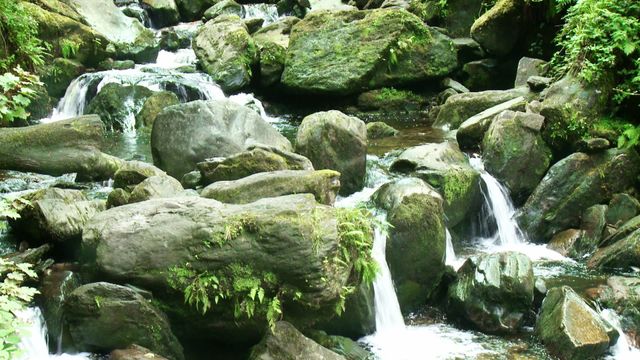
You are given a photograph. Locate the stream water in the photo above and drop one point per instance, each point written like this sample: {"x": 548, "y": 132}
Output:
{"x": 396, "y": 338}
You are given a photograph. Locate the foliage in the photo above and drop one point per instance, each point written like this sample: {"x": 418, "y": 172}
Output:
{"x": 355, "y": 235}
{"x": 630, "y": 137}
{"x": 19, "y": 38}
{"x": 14, "y": 296}
{"x": 251, "y": 292}
{"x": 69, "y": 48}
{"x": 601, "y": 39}
{"x": 17, "y": 93}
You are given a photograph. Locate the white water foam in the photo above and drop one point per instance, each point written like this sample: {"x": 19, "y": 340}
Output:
{"x": 622, "y": 350}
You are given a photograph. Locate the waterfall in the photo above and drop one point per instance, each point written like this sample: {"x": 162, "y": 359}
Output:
{"x": 622, "y": 350}
{"x": 450, "y": 254}
{"x": 388, "y": 314}
{"x": 267, "y": 12}
{"x": 496, "y": 196}
{"x": 34, "y": 343}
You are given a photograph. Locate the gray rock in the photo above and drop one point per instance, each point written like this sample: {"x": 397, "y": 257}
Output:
{"x": 468, "y": 49}
{"x": 134, "y": 352}
{"x": 624, "y": 254}
{"x": 153, "y": 105}
{"x": 333, "y": 140}
{"x": 191, "y": 10}
{"x": 452, "y": 84}
{"x": 622, "y": 208}
{"x": 132, "y": 173}
{"x": 515, "y": 153}
{"x": 538, "y": 83}
{"x": 287, "y": 343}
{"x": 163, "y": 13}
{"x": 322, "y": 184}
{"x": 569, "y": 328}
{"x": 226, "y": 51}
{"x": 277, "y": 32}
{"x": 416, "y": 244}
{"x": 156, "y": 187}
{"x": 528, "y": 67}
{"x": 471, "y": 131}
{"x": 379, "y": 129}
{"x": 103, "y": 316}
{"x": 186, "y": 134}
{"x": 447, "y": 169}
{"x": 565, "y": 241}
{"x": 115, "y": 103}
{"x": 498, "y": 29}
{"x": 223, "y": 7}
{"x": 493, "y": 292}
{"x": 576, "y": 182}
{"x": 192, "y": 180}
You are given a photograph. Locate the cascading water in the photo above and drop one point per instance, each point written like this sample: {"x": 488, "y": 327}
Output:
{"x": 450, "y": 257}
{"x": 267, "y": 12}
{"x": 622, "y": 350}
{"x": 34, "y": 344}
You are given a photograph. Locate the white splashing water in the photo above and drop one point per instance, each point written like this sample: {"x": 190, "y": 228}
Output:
{"x": 267, "y": 12}
{"x": 622, "y": 350}
{"x": 450, "y": 254}
{"x": 376, "y": 177}
{"x": 34, "y": 344}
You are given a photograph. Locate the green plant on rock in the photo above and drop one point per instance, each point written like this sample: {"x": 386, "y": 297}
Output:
{"x": 355, "y": 242}
{"x": 19, "y": 42}
{"x": 69, "y": 48}
{"x": 14, "y": 296}
{"x": 600, "y": 42}
{"x": 17, "y": 92}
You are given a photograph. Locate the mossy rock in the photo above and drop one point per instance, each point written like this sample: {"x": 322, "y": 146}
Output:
{"x": 153, "y": 105}
{"x": 272, "y": 57}
{"x": 191, "y": 10}
{"x": 163, "y": 13}
{"x": 115, "y": 103}
{"x": 498, "y": 29}
{"x": 346, "y": 52}
{"x": 223, "y": 7}
{"x": 379, "y": 130}
{"x": 59, "y": 74}
{"x": 227, "y": 52}
{"x": 390, "y": 99}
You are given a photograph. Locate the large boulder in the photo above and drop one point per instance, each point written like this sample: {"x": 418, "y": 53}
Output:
{"x": 515, "y": 153}
{"x": 570, "y": 108}
{"x": 570, "y": 329}
{"x": 493, "y": 292}
{"x": 333, "y": 140}
{"x": 272, "y": 58}
{"x": 162, "y": 13}
{"x": 460, "y": 107}
{"x": 132, "y": 173}
{"x": 54, "y": 214}
{"x": 226, "y": 51}
{"x": 323, "y": 184}
{"x": 498, "y": 29}
{"x": 291, "y": 249}
{"x": 287, "y": 343}
{"x": 131, "y": 39}
{"x": 576, "y": 182}
{"x": 186, "y": 134}
{"x": 153, "y": 105}
{"x": 624, "y": 254}
{"x": 346, "y": 52}
{"x": 472, "y": 131}
{"x": 255, "y": 160}
{"x": 416, "y": 244}
{"x": 102, "y": 317}
{"x": 447, "y": 169}
{"x": 156, "y": 187}
{"x": 117, "y": 105}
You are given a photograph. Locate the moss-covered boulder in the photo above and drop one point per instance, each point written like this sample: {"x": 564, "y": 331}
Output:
{"x": 416, "y": 244}
{"x": 323, "y": 184}
{"x": 447, "y": 169}
{"x": 155, "y": 187}
{"x": 132, "y": 173}
{"x": 290, "y": 251}
{"x": 576, "y": 182}
{"x": 255, "y": 160}
{"x": 223, "y": 7}
{"x": 162, "y": 13}
{"x": 191, "y": 10}
{"x": 103, "y": 317}
{"x": 227, "y": 52}
{"x": 117, "y": 105}
{"x": 570, "y": 108}
{"x": 624, "y": 254}
{"x": 498, "y": 29}
{"x": 153, "y": 105}
{"x": 390, "y": 99}
{"x": 494, "y": 292}
{"x": 131, "y": 39}
{"x": 59, "y": 74}
{"x": 62, "y": 27}
{"x": 461, "y": 107}
{"x": 272, "y": 57}
{"x": 346, "y": 52}
{"x": 472, "y": 131}
{"x": 333, "y": 140}
{"x": 57, "y": 215}
{"x": 379, "y": 129}
{"x": 570, "y": 329}
{"x": 186, "y": 134}
{"x": 287, "y": 343}
{"x": 515, "y": 153}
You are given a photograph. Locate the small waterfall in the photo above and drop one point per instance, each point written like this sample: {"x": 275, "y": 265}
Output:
{"x": 496, "y": 196}
{"x": 34, "y": 343}
{"x": 74, "y": 100}
{"x": 267, "y": 12}
{"x": 388, "y": 314}
{"x": 622, "y": 350}
{"x": 450, "y": 254}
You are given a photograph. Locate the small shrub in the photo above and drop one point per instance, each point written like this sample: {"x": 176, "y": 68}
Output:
{"x": 17, "y": 92}
{"x": 19, "y": 36}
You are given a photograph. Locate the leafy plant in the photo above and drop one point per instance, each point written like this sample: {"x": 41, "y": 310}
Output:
{"x": 69, "y": 48}
{"x": 17, "y": 93}
{"x": 600, "y": 41}
{"x": 19, "y": 38}
{"x": 14, "y": 296}
{"x": 630, "y": 137}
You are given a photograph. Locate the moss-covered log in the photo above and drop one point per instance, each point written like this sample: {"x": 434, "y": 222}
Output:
{"x": 67, "y": 146}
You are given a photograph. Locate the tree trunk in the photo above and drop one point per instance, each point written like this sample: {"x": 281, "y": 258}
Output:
{"x": 67, "y": 146}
